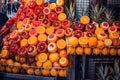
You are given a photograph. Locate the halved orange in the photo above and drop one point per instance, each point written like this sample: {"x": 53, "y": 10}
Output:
{"x": 20, "y": 30}
{"x": 47, "y": 64}
{"x": 50, "y": 30}
{"x": 72, "y": 41}
{"x": 83, "y": 41}
{"x": 52, "y": 47}
{"x": 39, "y": 2}
{"x": 14, "y": 34}
{"x": 71, "y": 49}
{"x": 87, "y": 51}
{"x": 53, "y": 72}
{"x": 99, "y": 30}
{"x": 24, "y": 42}
{"x": 4, "y": 53}
{"x": 42, "y": 57}
{"x": 40, "y": 30}
{"x": 19, "y": 24}
{"x": 108, "y": 42}
{"x": 113, "y": 35}
{"x": 60, "y": 32}
{"x": 84, "y": 19}
{"x": 62, "y": 16}
{"x": 61, "y": 44}
{"x": 45, "y": 72}
{"x": 32, "y": 40}
{"x": 54, "y": 57}
{"x": 60, "y": 2}
{"x": 38, "y": 63}
{"x": 100, "y": 43}
{"x": 52, "y": 38}
{"x": 63, "y": 61}
{"x": 79, "y": 50}
{"x": 113, "y": 51}
{"x": 42, "y": 37}
{"x": 105, "y": 51}
{"x": 102, "y": 36}
{"x": 52, "y": 6}
{"x": 26, "y": 21}
{"x": 96, "y": 51}
{"x": 92, "y": 41}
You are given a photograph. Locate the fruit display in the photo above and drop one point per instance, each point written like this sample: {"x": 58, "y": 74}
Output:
{"x": 38, "y": 39}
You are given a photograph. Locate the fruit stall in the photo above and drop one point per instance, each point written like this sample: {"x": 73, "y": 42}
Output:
{"x": 61, "y": 40}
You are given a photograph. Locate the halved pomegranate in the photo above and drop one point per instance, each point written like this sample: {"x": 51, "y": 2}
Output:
{"x": 66, "y": 23}
{"x": 22, "y": 51}
{"x": 59, "y": 9}
{"x": 90, "y": 27}
{"x": 78, "y": 33}
{"x": 68, "y": 31}
{"x": 60, "y": 32}
{"x": 53, "y": 16}
{"x": 41, "y": 47}
{"x": 56, "y": 24}
{"x": 78, "y": 26}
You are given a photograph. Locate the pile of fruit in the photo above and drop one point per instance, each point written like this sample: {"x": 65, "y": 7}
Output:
{"x": 36, "y": 41}
{"x": 90, "y": 38}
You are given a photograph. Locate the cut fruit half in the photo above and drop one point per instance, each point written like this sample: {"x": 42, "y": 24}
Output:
{"x": 52, "y": 16}
{"x": 59, "y": 9}
{"x": 112, "y": 29}
{"x": 38, "y": 10}
{"x": 54, "y": 57}
{"x": 41, "y": 17}
{"x": 4, "y": 53}
{"x": 84, "y": 19}
{"x": 20, "y": 30}
{"x": 68, "y": 31}
{"x": 41, "y": 47}
{"x": 88, "y": 34}
{"x": 56, "y": 24}
{"x": 99, "y": 30}
{"x": 100, "y": 43}
{"x": 46, "y": 4}
{"x": 63, "y": 61}
{"x": 102, "y": 36}
{"x": 78, "y": 26}
{"x": 52, "y": 38}
{"x": 92, "y": 42}
{"x": 90, "y": 27}
{"x": 32, "y": 50}
{"x": 28, "y": 27}
{"x": 32, "y": 40}
{"x": 24, "y": 42}
{"x": 104, "y": 25}
{"x": 46, "y": 22}
{"x": 46, "y": 10}
{"x": 26, "y": 21}
{"x": 42, "y": 57}
{"x": 66, "y": 23}
{"x": 77, "y": 33}
{"x": 52, "y": 47}
{"x": 60, "y": 2}
{"x": 52, "y": 6}
{"x": 53, "y": 72}
{"x": 39, "y": 2}
{"x": 19, "y": 24}
{"x": 33, "y": 32}
{"x": 60, "y": 32}
{"x": 24, "y": 34}
{"x": 61, "y": 44}
{"x": 83, "y": 41}
{"x": 116, "y": 24}
{"x": 40, "y": 30}
{"x": 50, "y": 30}
{"x": 113, "y": 35}
{"x": 108, "y": 42}
{"x": 62, "y": 16}
{"x": 36, "y": 24}
{"x": 22, "y": 51}
{"x": 42, "y": 37}
{"x": 14, "y": 34}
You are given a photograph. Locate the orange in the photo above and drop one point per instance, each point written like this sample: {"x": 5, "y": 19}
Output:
{"x": 96, "y": 51}
{"x": 60, "y": 32}
{"x": 63, "y": 53}
{"x": 87, "y": 51}
{"x": 113, "y": 35}
{"x": 104, "y": 25}
{"x": 52, "y": 6}
{"x": 113, "y": 51}
{"x": 102, "y": 36}
{"x": 63, "y": 61}
{"x": 32, "y": 40}
{"x": 60, "y": 2}
{"x": 53, "y": 72}
{"x": 105, "y": 51}
{"x": 17, "y": 65}
{"x": 45, "y": 72}
{"x": 26, "y": 21}
{"x": 37, "y": 72}
{"x": 118, "y": 51}
{"x": 14, "y": 34}
{"x": 20, "y": 30}
{"x": 79, "y": 50}
{"x": 38, "y": 63}
{"x": 54, "y": 57}
{"x": 4, "y": 53}
{"x": 39, "y": 2}
{"x": 27, "y": 1}
{"x": 100, "y": 43}
{"x": 52, "y": 47}
{"x": 72, "y": 41}
{"x": 61, "y": 44}
{"x": 83, "y": 41}
{"x": 10, "y": 62}
{"x": 48, "y": 63}
{"x": 50, "y": 30}
{"x": 30, "y": 71}
{"x": 19, "y": 24}
{"x": 40, "y": 30}
{"x": 92, "y": 42}
{"x": 52, "y": 38}
{"x": 62, "y": 73}
{"x": 33, "y": 32}
{"x": 42, "y": 37}
{"x": 28, "y": 27}
{"x": 24, "y": 42}
{"x": 42, "y": 57}
{"x": 70, "y": 49}
{"x": 99, "y": 30}
{"x": 62, "y": 16}
{"x": 84, "y": 19}
{"x": 108, "y": 42}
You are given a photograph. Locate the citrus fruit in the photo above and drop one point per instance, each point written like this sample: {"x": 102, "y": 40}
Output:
{"x": 38, "y": 63}
{"x": 79, "y": 50}
{"x": 60, "y": 32}
{"x": 62, "y": 73}
{"x": 32, "y": 40}
{"x": 42, "y": 37}
{"x": 40, "y": 30}
{"x": 83, "y": 41}
{"x": 45, "y": 72}
{"x": 71, "y": 49}
{"x": 113, "y": 51}
{"x": 118, "y": 51}
{"x": 108, "y": 42}
{"x": 4, "y": 53}
{"x": 84, "y": 19}
{"x": 72, "y": 41}
{"x": 19, "y": 24}
{"x": 92, "y": 42}
{"x": 100, "y": 43}
{"x": 63, "y": 53}
{"x": 104, "y": 25}
{"x": 62, "y": 16}
{"x": 42, "y": 57}
{"x": 39, "y": 2}
{"x": 52, "y": 37}
{"x": 96, "y": 51}
{"x": 37, "y": 72}
{"x": 48, "y": 63}
{"x": 53, "y": 72}
{"x": 60, "y": 2}
{"x": 30, "y": 71}
{"x": 99, "y": 30}
{"x": 63, "y": 61}
{"x": 50, "y": 30}
{"x": 61, "y": 44}
{"x": 52, "y": 47}
{"x": 24, "y": 42}
{"x": 54, "y": 57}
{"x": 102, "y": 36}
{"x": 87, "y": 51}
{"x": 52, "y": 6}
{"x": 113, "y": 35}
{"x": 105, "y": 51}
